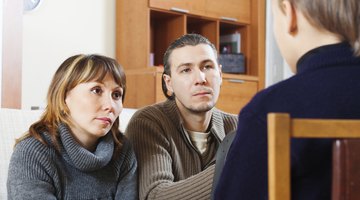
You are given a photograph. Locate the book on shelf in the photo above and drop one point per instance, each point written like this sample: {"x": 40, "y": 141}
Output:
{"x": 230, "y": 43}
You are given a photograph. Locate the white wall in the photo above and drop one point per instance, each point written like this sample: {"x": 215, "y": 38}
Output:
{"x": 1, "y": 47}
{"x": 276, "y": 67}
{"x": 56, "y": 30}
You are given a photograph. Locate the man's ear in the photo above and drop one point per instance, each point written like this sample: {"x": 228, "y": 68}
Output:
{"x": 291, "y": 18}
{"x": 167, "y": 80}
{"x": 220, "y": 71}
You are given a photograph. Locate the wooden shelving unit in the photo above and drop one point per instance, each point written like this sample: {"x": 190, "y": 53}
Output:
{"x": 145, "y": 28}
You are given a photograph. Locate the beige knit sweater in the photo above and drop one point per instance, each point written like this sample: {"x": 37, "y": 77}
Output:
{"x": 170, "y": 167}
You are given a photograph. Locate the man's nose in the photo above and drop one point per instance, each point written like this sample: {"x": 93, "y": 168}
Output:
{"x": 200, "y": 77}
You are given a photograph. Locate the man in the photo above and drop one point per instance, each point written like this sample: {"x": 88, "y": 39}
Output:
{"x": 175, "y": 141}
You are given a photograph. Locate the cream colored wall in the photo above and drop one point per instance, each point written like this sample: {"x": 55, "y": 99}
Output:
{"x": 276, "y": 67}
{"x": 1, "y": 30}
{"x": 56, "y": 30}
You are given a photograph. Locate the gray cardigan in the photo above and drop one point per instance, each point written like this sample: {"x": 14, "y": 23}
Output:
{"x": 37, "y": 171}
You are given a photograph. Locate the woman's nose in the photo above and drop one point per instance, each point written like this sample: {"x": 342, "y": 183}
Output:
{"x": 109, "y": 103}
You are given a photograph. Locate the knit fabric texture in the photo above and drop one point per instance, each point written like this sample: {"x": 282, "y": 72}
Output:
{"x": 38, "y": 171}
{"x": 327, "y": 85}
{"x": 170, "y": 166}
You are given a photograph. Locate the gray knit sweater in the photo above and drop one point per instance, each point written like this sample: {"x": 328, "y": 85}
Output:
{"x": 170, "y": 167}
{"x": 37, "y": 171}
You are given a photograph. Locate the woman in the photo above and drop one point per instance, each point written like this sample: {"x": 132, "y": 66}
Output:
{"x": 75, "y": 150}
{"x": 320, "y": 40}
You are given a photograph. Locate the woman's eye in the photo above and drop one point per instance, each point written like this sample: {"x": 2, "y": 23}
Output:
{"x": 96, "y": 90}
{"x": 117, "y": 95}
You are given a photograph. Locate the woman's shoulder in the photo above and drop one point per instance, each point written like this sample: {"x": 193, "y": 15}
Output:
{"x": 126, "y": 157}
{"x": 32, "y": 148}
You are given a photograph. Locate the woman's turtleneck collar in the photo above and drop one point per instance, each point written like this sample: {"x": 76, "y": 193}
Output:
{"x": 326, "y": 56}
{"x": 80, "y": 157}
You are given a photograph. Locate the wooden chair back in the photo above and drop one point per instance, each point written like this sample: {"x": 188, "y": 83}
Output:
{"x": 281, "y": 128}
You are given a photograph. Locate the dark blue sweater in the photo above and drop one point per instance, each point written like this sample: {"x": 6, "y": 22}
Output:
{"x": 327, "y": 85}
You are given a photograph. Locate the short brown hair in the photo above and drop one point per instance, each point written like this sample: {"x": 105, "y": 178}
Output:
{"x": 341, "y": 17}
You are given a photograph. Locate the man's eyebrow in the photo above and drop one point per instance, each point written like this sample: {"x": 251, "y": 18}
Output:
{"x": 207, "y": 60}
{"x": 183, "y": 64}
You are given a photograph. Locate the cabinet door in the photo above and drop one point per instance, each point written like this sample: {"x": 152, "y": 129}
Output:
{"x": 235, "y": 94}
{"x": 233, "y": 10}
{"x": 187, "y": 6}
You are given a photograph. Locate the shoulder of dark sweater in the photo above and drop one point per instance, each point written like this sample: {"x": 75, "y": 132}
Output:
{"x": 333, "y": 59}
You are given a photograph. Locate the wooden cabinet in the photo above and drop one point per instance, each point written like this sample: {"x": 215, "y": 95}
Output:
{"x": 236, "y": 92}
{"x": 185, "y": 6}
{"x": 145, "y": 28}
{"x": 232, "y": 10}
{"x": 143, "y": 87}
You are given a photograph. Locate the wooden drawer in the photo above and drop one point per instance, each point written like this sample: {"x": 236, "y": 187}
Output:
{"x": 235, "y": 94}
{"x": 143, "y": 87}
{"x": 233, "y": 10}
{"x": 196, "y": 7}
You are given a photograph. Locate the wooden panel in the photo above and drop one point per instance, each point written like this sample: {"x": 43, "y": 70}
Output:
{"x": 257, "y": 38}
{"x": 140, "y": 88}
{"x": 159, "y": 93}
{"x": 279, "y": 156}
{"x": 235, "y": 94}
{"x": 345, "y": 169}
{"x": 166, "y": 28}
{"x": 237, "y": 10}
{"x": 12, "y": 54}
{"x": 132, "y": 33}
{"x": 206, "y": 27}
{"x": 188, "y": 6}
{"x": 281, "y": 128}
{"x": 325, "y": 128}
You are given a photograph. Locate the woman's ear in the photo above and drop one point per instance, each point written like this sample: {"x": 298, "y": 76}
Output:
{"x": 291, "y": 18}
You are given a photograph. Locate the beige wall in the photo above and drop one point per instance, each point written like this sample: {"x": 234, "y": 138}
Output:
{"x": 56, "y": 30}
{"x": 1, "y": 31}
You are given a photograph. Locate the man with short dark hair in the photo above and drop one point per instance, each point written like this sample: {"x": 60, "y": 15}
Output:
{"x": 175, "y": 141}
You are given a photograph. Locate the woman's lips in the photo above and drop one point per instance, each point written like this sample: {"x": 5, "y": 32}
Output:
{"x": 105, "y": 119}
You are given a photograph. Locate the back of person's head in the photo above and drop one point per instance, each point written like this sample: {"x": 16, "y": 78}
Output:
{"x": 73, "y": 71}
{"x": 185, "y": 40}
{"x": 341, "y": 17}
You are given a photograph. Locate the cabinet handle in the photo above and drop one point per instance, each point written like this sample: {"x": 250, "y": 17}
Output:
{"x": 236, "y": 81}
{"x": 229, "y": 19}
{"x": 179, "y": 10}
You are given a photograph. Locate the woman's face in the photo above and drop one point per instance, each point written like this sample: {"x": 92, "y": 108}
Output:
{"x": 94, "y": 106}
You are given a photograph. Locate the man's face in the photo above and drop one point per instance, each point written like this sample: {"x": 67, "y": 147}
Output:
{"x": 195, "y": 78}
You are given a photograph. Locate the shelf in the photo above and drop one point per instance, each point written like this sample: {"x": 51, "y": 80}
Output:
{"x": 165, "y": 27}
{"x": 145, "y": 29}
{"x": 203, "y": 26}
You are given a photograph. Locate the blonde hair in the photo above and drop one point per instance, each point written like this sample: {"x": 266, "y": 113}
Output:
{"x": 341, "y": 17}
{"x": 73, "y": 71}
